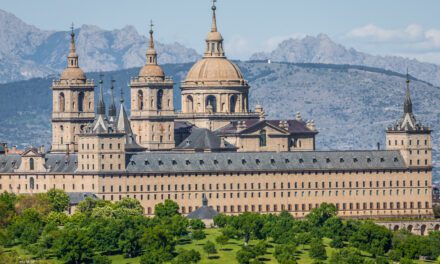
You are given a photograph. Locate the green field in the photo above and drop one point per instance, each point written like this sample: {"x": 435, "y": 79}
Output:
{"x": 226, "y": 253}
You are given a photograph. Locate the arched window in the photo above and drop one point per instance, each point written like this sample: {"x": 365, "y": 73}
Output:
{"x": 263, "y": 138}
{"x": 159, "y": 99}
{"x": 140, "y": 100}
{"x": 232, "y": 104}
{"x": 212, "y": 101}
{"x": 81, "y": 102}
{"x": 61, "y": 102}
{"x": 31, "y": 164}
{"x": 31, "y": 183}
{"x": 190, "y": 104}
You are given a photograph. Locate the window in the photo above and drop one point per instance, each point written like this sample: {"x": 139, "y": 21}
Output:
{"x": 263, "y": 138}
{"x": 140, "y": 100}
{"x": 81, "y": 102}
{"x": 211, "y": 102}
{"x": 31, "y": 164}
{"x": 31, "y": 183}
{"x": 189, "y": 104}
{"x": 232, "y": 104}
{"x": 61, "y": 102}
{"x": 159, "y": 99}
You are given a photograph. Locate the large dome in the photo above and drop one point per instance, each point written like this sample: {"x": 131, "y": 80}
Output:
{"x": 73, "y": 74}
{"x": 213, "y": 69}
{"x": 151, "y": 70}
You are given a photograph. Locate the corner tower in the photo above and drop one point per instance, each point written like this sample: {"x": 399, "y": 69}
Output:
{"x": 152, "y": 108}
{"x": 72, "y": 103}
{"x": 410, "y": 137}
{"x": 215, "y": 91}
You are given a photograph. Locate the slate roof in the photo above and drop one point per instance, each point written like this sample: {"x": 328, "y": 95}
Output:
{"x": 54, "y": 163}
{"x": 294, "y": 126}
{"x": 76, "y": 198}
{"x": 203, "y": 139}
{"x": 264, "y": 161}
{"x": 204, "y": 212}
{"x": 172, "y": 162}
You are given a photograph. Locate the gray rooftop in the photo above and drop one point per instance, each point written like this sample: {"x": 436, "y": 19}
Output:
{"x": 203, "y": 139}
{"x": 76, "y": 198}
{"x": 172, "y": 162}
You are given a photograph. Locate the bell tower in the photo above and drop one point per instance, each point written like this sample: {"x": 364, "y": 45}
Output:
{"x": 72, "y": 103}
{"x": 412, "y": 138}
{"x": 152, "y": 108}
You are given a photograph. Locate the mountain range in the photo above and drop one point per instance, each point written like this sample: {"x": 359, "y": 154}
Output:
{"x": 321, "y": 49}
{"x": 28, "y": 52}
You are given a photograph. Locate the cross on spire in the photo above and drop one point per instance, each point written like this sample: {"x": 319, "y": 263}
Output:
{"x": 72, "y": 28}
{"x": 213, "y": 4}
{"x": 151, "y": 26}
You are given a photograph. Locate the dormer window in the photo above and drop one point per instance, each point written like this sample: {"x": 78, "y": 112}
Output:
{"x": 187, "y": 162}
{"x": 243, "y": 161}
{"x": 287, "y": 161}
{"x": 160, "y": 162}
{"x": 132, "y": 162}
{"x": 396, "y": 159}
{"x": 355, "y": 160}
{"x": 341, "y": 160}
{"x": 147, "y": 163}
{"x": 382, "y": 159}
{"x": 327, "y": 160}
{"x": 215, "y": 162}
{"x": 301, "y": 161}
{"x": 315, "y": 160}
{"x": 174, "y": 162}
{"x": 272, "y": 161}
{"x": 229, "y": 161}
{"x": 368, "y": 160}
{"x": 201, "y": 162}
{"x": 257, "y": 161}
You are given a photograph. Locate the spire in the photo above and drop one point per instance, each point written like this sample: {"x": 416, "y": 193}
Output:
{"x": 214, "y": 18}
{"x": 214, "y": 41}
{"x": 101, "y": 104}
{"x": 112, "y": 107}
{"x": 72, "y": 58}
{"x": 407, "y": 106}
{"x": 151, "y": 52}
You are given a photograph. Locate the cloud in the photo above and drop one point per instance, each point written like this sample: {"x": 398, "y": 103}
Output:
{"x": 413, "y": 32}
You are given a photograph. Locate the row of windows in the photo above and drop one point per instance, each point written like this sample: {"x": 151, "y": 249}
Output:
{"x": 34, "y": 186}
{"x": 409, "y": 141}
{"x": 103, "y": 146}
{"x": 233, "y": 195}
{"x": 259, "y": 186}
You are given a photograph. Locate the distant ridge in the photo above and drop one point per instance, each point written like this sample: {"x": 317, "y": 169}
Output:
{"x": 322, "y": 49}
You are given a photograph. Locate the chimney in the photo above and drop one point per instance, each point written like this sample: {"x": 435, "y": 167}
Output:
{"x": 67, "y": 150}
{"x": 41, "y": 150}
{"x": 311, "y": 125}
{"x": 241, "y": 125}
{"x": 378, "y": 145}
{"x": 298, "y": 116}
{"x": 14, "y": 149}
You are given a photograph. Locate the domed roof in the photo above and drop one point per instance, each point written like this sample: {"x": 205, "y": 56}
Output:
{"x": 212, "y": 69}
{"x": 151, "y": 70}
{"x": 73, "y": 74}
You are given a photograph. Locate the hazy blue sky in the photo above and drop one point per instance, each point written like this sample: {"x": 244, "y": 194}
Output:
{"x": 393, "y": 27}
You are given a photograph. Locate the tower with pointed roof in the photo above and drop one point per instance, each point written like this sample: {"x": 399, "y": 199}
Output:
{"x": 215, "y": 91}
{"x": 412, "y": 138}
{"x": 152, "y": 108}
{"x": 72, "y": 103}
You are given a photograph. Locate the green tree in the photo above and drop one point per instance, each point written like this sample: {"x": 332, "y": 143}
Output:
{"x": 303, "y": 238}
{"x": 285, "y": 254}
{"x": 130, "y": 204}
{"x": 222, "y": 240}
{"x": 318, "y": 216}
{"x": 187, "y": 257}
{"x": 197, "y": 224}
{"x": 346, "y": 256}
{"x": 156, "y": 256}
{"x": 167, "y": 209}
{"x": 98, "y": 259}
{"x": 74, "y": 246}
{"x": 372, "y": 238}
{"x": 436, "y": 210}
{"x": 58, "y": 199}
{"x": 337, "y": 242}
{"x": 198, "y": 235}
{"x": 27, "y": 227}
{"x": 159, "y": 239}
{"x": 244, "y": 256}
{"x": 317, "y": 249}
{"x": 406, "y": 261}
{"x": 7, "y": 210}
{"x": 221, "y": 220}
{"x": 209, "y": 248}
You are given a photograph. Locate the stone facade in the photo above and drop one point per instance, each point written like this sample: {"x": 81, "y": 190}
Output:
{"x": 215, "y": 148}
